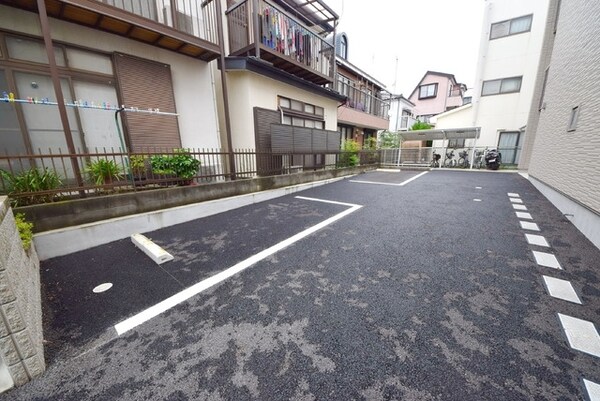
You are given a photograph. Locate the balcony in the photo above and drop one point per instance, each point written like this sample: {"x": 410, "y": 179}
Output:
{"x": 188, "y": 27}
{"x": 263, "y": 29}
{"x": 362, "y": 100}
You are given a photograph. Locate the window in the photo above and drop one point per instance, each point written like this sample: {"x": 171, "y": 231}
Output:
{"x": 428, "y": 91}
{"x": 301, "y": 114}
{"x": 573, "y": 119}
{"x": 32, "y": 50}
{"x": 344, "y": 47}
{"x": 501, "y": 86}
{"x": 456, "y": 143}
{"x": 511, "y": 27}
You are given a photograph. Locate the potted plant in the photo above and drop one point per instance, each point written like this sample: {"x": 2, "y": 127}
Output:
{"x": 103, "y": 172}
{"x": 180, "y": 164}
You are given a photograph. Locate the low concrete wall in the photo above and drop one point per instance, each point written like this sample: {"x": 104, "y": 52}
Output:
{"x": 21, "y": 348}
{"x": 57, "y": 215}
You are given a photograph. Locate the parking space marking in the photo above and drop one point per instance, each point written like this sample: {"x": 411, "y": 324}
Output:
{"x": 516, "y": 200}
{"x": 392, "y": 185}
{"x": 538, "y": 240}
{"x": 203, "y": 285}
{"x": 581, "y": 334}
{"x": 513, "y": 195}
{"x": 561, "y": 289}
{"x": 524, "y": 215}
{"x": 546, "y": 259}
{"x": 476, "y": 200}
{"x": 519, "y": 207}
{"x": 593, "y": 390}
{"x": 525, "y": 225}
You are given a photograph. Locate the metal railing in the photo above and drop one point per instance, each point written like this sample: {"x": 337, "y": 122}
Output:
{"x": 362, "y": 100}
{"x": 195, "y": 17}
{"x": 280, "y": 33}
{"x": 449, "y": 157}
{"x": 49, "y": 176}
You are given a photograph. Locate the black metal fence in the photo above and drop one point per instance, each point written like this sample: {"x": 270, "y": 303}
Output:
{"x": 53, "y": 175}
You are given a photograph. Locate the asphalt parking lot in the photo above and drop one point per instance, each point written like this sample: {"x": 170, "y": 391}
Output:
{"x": 427, "y": 291}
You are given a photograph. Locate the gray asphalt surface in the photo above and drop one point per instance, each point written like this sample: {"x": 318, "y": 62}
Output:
{"x": 422, "y": 294}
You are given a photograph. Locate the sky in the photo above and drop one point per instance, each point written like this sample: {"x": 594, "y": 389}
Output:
{"x": 437, "y": 35}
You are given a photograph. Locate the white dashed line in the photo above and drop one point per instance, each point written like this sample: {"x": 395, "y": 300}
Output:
{"x": 476, "y": 200}
{"x": 581, "y": 334}
{"x": 533, "y": 239}
{"x": 519, "y": 207}
{"x": 525, "y": 225}
{"x": 593, "y": 390}
{"x": 477, "y": 187}
{"x": 561, "y": 289}
{"x": 523, "y": 215}
{"x": 546, "y": 259}
{"x": 513, "y": 195}
{"x": 516, "y": 200}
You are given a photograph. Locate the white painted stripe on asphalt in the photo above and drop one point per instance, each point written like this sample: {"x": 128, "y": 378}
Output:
{"x": 392, "y": 185}
{"x": 513, "y": 195}
{"x": 546, "y": 259}
{"x": 389, "y": 170}
{"x": 525, "y": 225}
{"x": 561, "y": 289}
{"x": 524, "y": 215}
{"x": 477, "y": 187}
{"x": 203, "y": 285}
{"x": 593, "y": 390}
{"x": 325, "y": 201}
{"x": 516, "y": 200}
{"x": 539, "y": 240}
{"x": 519, "y": 207}
{"x": 581, "y": 334}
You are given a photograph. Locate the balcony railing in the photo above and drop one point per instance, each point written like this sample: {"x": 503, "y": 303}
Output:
{"x": 194, "y": 17}
{"x": 362, "y": 100}
{"x": 261, "y": 26}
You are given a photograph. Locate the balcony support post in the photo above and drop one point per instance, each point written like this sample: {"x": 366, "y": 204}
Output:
{"x": 256, "y": 28}
{"x": 60, "y": 99}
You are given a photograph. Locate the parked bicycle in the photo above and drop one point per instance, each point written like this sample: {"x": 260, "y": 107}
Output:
{"x": 450, "y": 161}
{"x": 478, "y": 158}
{"x": 435, "y": 159}
{"x": 463, "y": 160}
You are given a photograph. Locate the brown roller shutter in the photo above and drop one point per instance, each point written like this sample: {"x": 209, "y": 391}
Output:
{"x": 147, "y": 84}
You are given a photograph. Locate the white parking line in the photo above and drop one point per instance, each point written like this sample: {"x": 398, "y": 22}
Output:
{"x": 203, "y": 285}
{"x": 519, "y": 207}
{"x": 513, "y": 195}
{"x": 561, "y": 289}
{"x": 525, "y": 225}
{"x": 516, "y": 200}
{"x": 539, "y": 240}
{"x": 546, "y": 259}
{"x": 523, "y": 215}
{"x": 392, "y": 185}
{"x": 581, "y": 334}
{"x": 593, "y": 390}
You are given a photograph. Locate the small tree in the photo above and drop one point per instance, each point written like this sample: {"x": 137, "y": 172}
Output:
{"x": 389, "y": 140}
{"x": 420, "y": 125}
{"x": 370, "y": 143}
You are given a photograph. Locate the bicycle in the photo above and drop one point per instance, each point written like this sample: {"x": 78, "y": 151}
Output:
{"x": 435, "y": 160}
{"x": 449, "y": 161}
{"x": 463, "y": 160}
{"x": 478, "y": 159}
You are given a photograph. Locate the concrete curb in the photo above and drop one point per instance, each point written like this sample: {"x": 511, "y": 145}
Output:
{"x": 63, "y": 241}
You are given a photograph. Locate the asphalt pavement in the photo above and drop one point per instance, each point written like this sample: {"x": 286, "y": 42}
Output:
{"x": 429, "y": 291}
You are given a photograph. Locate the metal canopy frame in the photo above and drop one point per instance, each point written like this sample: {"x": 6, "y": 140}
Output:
{"x": 315, "y": 12}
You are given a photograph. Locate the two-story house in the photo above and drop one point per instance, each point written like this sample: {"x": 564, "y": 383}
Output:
{"x": 436, "y": 93}
{"x": 402, "y": 115}
{"x": 366, "y": 109}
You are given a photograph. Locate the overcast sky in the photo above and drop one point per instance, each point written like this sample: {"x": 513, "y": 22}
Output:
{"x": 438, "y": 35}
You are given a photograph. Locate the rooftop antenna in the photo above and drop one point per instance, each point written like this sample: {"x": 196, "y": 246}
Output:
{"x": 395, "y": 76}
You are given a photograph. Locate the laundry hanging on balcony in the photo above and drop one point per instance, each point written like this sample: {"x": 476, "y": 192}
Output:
{"x": 286, "y": 36}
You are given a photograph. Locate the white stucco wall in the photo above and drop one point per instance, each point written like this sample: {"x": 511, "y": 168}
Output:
{"x": 192, "y": 84}
{"x": 248, "y": 90}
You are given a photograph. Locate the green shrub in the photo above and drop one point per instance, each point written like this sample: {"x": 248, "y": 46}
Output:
{"x": 25, "y": 229}
{"x": 32, "y": 180}
{"x": 420, "y": 125}
{"x": 180, "y": 163}
{"x": 349, "y": 156}
{"x": 138, "y": 164}
{"x": 103, "y": 171}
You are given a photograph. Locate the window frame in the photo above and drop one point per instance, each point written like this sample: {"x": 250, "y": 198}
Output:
{"x": 435, "y": 90}
{"x": 500, "y": 92}
{"x": 510, "y": 21}
{"x": 318, "y": 113}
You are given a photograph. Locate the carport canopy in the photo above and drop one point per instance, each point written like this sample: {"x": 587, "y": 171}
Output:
{"x": 440, "y": 134}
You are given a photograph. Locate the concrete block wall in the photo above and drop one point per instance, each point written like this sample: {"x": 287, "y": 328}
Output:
{"x": 21, "y": 338}
{"x": 567, "y": 161}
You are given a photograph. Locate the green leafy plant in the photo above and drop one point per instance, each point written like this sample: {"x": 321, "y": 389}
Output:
{"x": 32, "y": 180}
{"x": 138, "y": 164}
{"x": 388, "y": 140}
{"x": 25, "y": 229}
{"x": 104, "y": 171}
{"x": 370, "y": 143}
{"x": 180, "y": 163}
{"x": 420, "y": 125}
{"x": 349, "y": 156}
